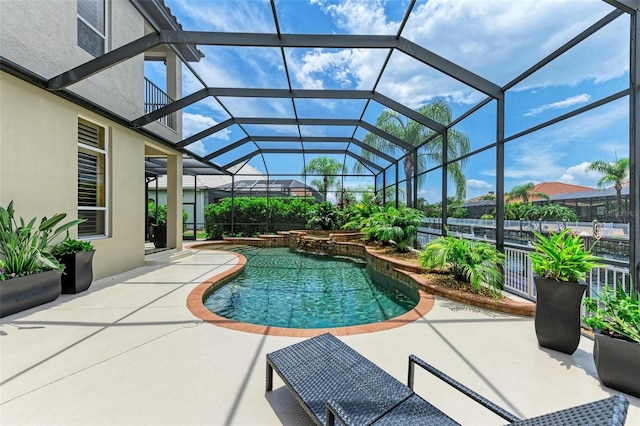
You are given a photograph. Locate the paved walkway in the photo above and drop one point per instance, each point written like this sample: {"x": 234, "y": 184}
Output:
{"x": 128, "y": 352}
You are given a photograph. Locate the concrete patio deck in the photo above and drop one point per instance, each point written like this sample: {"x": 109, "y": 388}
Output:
{"x": 129, "y": 352}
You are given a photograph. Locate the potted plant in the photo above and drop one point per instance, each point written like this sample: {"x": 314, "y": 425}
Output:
{"x": 158, "y": 218}
{"x": 560, "y": 265}
{"x": 614, "y": 318}
{"x": 29, "y": 273}
{"x": 77, "y": 258}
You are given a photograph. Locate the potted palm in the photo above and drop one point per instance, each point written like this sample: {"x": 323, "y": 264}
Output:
{"x": 29, "y": 273}
{"x": 614, "y": 317}
{"x": 77, "y": 258}
{"x": 560, "y": 265}
{"x": 158, "y": 217}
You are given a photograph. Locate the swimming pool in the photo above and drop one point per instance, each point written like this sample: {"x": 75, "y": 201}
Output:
{"x": 282, "y": 288}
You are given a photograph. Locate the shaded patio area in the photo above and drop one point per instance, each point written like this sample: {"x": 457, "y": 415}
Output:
{"x": 128, "y": 352}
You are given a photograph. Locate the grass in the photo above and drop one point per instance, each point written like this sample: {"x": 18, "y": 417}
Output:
{"x": 200, "y": 234}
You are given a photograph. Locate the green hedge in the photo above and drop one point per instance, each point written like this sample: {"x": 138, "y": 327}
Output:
{"x": 256, "y": 215}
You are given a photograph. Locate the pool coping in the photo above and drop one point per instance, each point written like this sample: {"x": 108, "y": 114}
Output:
{"x": 196, "y": 307}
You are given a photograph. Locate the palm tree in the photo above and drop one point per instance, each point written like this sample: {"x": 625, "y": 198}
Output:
{"x": 614, "y": 173}
{"x": 328, "y": 168}
{"x": 524, "y": 192}
{"x": 414, "y": 133}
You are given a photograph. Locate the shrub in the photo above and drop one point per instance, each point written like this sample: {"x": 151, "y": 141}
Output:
{"x": 356, "y": 214}
{"x": 325, "y": 216}
{"x": 256, "y": 215}
{"x": 615, "y": 314}
{"x": 474, "y": 262}
{"x": 391, "y": 226}
{"x": 562, "y": 257}
{"x": 25, "y": 246}
{"x": 70, "y": 246}
{"x": 157, "y": 214}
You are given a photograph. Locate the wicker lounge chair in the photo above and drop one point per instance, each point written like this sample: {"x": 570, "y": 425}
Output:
{"x": 331, "y": 380}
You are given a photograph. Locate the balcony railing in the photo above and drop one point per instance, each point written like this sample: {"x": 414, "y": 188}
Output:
{"x": 155, "y": 98}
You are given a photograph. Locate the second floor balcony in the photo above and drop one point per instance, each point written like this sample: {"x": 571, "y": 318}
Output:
{"x": 155, "y": 98}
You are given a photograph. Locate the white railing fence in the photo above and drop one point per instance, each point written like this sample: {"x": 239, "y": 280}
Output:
{"x": 519, "y": 275}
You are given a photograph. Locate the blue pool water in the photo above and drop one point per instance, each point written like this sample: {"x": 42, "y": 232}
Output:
{"x": 288, "y": 289}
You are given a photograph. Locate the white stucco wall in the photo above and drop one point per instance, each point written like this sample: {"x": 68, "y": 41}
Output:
{"x": 38, "y": 169}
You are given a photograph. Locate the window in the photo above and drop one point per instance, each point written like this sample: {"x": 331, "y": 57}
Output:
{"x": 92, "y": 179}
{"x": 91, "y": 26}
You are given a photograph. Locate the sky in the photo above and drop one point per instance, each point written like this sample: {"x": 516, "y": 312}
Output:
{"x": 496, "y": 39}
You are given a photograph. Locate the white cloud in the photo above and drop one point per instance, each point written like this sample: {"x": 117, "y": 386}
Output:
{"x": 566, "y": 103}
{"x": 497, "y": 40}
{"x": 243, "y": 16}
{"x": 194, "y": 123}
{"x": 579, "y": 175}
{"x": 500, "y": 39}
{"x": 478, "y": 184}
{"x": 359, "y": 17}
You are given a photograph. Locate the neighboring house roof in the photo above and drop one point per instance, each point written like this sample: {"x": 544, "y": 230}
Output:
{"x": 554, "y": 188}
{"x": 207, "y": 181}
{"x": 478, "y": 202}
{"x": 591, "y": 193}
{"x": 160, "y": 17}
{"x": 482, "y": 200}
{"x": 558, "y": 191}
{"x": 290, "y": 186}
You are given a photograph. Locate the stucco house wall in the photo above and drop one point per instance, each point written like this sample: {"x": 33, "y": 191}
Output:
{"x": 39, "y": 130}
{"x": 41, "y": 36}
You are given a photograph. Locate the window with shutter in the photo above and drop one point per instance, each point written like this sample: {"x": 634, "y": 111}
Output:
{"x": 92, "y": 35}
{"x": 92, "y": 179}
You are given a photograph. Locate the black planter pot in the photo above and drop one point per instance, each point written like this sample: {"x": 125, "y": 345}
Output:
{"x": 557, "y": 318}
{"x": 617, "y": 363}
{"x": 18, "y": 294}
{"x": 159, "y": 235}
{"x": 78, "y": 271}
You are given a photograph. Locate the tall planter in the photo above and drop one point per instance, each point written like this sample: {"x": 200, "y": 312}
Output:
{"x": 557, "y": 319}
{"x": 159, "y": 236}
{"x": 78, "y": 271}
{"x": 617, "y": 363}
{"x": 18, "y": 294}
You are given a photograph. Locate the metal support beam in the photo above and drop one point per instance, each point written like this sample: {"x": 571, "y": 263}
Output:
{"x": 444, "y": 181}
{"x": 388, "y": 136}
{"x": 500, "y": 122}
{"x": 397, "y": 179}
{"x": 408, "y": 112}
{"x": 241, "y": 159}
{"x": 328, "y": 41}
{"x": 171, "y": 108}
{"x": 449, "y": 68}
{"x": 564, "y": 48}
{"x": 203, "y": 134}
{"x": 227, "y": 148}
{"x": 374, "y": 151}
{"x": 102, "y": 62}
{"x": 236, "y": 92}
{"x": 310, "y": 139}
{"x": 326, "y": 151}
{"x": 415, "y": 179}
{"x": 634, "y": 151}
{"x": 629, "y": 6}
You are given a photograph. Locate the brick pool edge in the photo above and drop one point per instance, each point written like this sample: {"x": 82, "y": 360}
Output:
{"x": 196, "y": 306}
